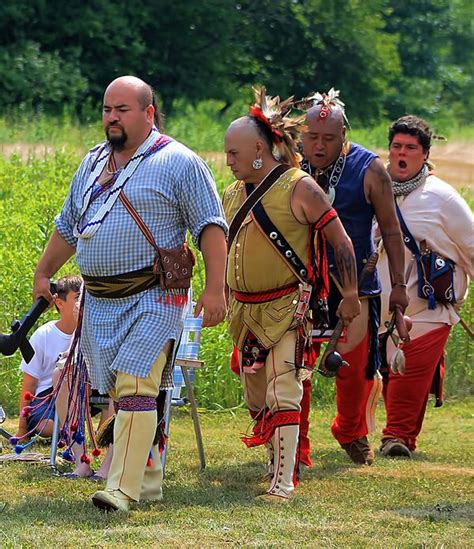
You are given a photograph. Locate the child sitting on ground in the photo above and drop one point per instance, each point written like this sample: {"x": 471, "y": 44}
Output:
{"x": 41, "y": 375}
{"x": 48, "y": 342}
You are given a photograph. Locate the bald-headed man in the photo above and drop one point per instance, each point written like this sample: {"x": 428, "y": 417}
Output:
{"x": 359, "y": 188}
{"x": 126, "y": 215}
{"x": 271, "y": 272}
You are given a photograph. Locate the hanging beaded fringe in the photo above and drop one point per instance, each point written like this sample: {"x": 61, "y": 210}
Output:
{"x": 78, "y": 417}
{"x": 176, "y": 297}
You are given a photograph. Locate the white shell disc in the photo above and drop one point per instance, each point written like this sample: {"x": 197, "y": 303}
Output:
{"x": 331, "y": 194}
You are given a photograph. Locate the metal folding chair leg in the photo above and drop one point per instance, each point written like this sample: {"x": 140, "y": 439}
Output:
{"x": 194, "y": 413}
{"x": 3, "y": 417}
{"x": 54, "y": 442}
{"x": 166, "y": 419}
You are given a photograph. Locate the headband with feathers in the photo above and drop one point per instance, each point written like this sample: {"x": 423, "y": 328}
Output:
{"x": 273, "y": 113}
{"x": 327, "y": 101}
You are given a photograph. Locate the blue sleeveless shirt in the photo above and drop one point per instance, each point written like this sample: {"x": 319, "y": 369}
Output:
{"x": 356, "y": 214}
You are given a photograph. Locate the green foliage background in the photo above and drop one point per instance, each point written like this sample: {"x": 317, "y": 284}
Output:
{"x": 387, "y": 57}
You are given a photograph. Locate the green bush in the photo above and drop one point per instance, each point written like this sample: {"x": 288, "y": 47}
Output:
{"x": 31, "y": 194}
{"x": 32, "y": 78}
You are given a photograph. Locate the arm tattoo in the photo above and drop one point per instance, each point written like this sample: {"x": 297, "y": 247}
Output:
{"x": 315, "y": 191}
{"x": 381, "y": 174}
{"x": 345, "y": 263}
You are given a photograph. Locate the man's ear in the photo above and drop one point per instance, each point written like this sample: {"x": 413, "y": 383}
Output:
{"x": 58, "y": 302}
{"x": 259, "y": 147}
{"x": 150, "y": 113}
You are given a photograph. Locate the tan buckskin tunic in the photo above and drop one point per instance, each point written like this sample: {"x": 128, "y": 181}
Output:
{"x": 255, "y": 266}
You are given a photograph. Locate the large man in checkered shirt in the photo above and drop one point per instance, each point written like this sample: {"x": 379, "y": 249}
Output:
{"x": 130, "y": 322}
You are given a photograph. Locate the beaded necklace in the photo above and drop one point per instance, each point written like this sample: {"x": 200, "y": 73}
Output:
{"x": 111, "y": 166}
{"x": 336, "y": 169}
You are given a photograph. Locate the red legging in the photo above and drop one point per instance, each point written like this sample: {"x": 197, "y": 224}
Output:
{"x": 355, "y": 397}
{"x": 304, "y": 443}
{"x": 406, "y": 396}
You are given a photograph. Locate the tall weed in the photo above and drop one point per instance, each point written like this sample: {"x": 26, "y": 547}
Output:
{"x": 201, "y": 126}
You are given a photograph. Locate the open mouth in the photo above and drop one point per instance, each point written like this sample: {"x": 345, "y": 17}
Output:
{"x": 402, "y": 164}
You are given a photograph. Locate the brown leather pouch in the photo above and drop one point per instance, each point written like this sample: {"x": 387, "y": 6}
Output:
{"x": 174, "y": 267}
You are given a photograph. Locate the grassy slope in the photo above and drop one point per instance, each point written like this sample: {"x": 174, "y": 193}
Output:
{"x": 394, "y": 503}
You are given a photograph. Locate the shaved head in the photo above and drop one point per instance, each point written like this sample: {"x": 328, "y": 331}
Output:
{"x": 136, "y": 86}
{"x": 244, "y": 143}
{"x": 324, "y": 136}
{"x": 253, "y": 129}
{"x": 336, "y": 116}
{"x": 245, "y": 127}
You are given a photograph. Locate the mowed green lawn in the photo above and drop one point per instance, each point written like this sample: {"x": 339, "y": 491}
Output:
{"x": 426, "y": 502}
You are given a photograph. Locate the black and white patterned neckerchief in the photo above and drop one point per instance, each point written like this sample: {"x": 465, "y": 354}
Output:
{"x": 328, "y": 184}
{"x": 404, "y": 188}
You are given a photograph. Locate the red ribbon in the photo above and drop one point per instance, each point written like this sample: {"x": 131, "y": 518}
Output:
{"x": 257, "y": 112}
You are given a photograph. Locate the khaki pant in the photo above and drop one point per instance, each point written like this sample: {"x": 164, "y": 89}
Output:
{"x": 134, "y": 433}
{"x": 275, "y": 386}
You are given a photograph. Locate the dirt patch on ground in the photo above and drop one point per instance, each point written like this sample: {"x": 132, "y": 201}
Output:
{"x": 428, "y": 469}
{"x": 441, "y": 512}
{"x": 454, "y": 160}
{"x": 27, "y": 150}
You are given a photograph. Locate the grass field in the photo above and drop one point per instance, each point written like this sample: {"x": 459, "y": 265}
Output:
{"x": 426, "y": 502}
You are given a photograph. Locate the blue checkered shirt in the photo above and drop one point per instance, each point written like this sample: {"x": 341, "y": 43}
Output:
{"x": 173, "y": 191}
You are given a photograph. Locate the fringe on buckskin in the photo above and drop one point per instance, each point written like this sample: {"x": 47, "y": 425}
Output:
{"x": 265, "y": 427}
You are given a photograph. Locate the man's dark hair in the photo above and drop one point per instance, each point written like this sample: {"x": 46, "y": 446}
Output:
{"x": 68, "y": 284}
{"x": 148, "y": 97}
{"x": 263, "y": 130}
{"x": 411, "y": 125}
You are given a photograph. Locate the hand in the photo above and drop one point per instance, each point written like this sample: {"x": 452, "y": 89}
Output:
{"x": 214, "y": 305}
{"x": 41, "y": 288}
{"x": 398, "y": 298}
{"x": 348, "y": 309}
{"x": 302, "y": 374}
{"x": 403, "y": 324}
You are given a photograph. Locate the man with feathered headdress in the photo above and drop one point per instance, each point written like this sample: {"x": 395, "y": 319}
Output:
{"x": 275, "y": 274}
{"x": 359, "y": 188}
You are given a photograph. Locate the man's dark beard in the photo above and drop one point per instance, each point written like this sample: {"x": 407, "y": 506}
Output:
{"x": 117, "y": 142}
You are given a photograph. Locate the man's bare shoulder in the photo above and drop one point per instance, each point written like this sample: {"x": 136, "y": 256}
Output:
{"x": 377, "y": 169}
{"x": 377, "y": 181}
{"x": 307, "y": 189}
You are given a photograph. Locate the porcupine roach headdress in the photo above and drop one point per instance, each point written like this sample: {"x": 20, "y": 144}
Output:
{"x": 327, "y": 101}
{"x": 284, "y": 130}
